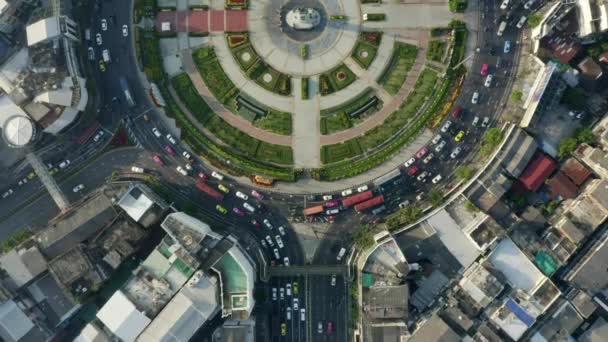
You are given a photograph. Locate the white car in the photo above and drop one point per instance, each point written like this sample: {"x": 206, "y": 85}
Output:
{"x": 475, "y": 121}
{"x": 281, "y": 293}
{"x": 409, "y": 162}
{"x": 104, "y": 24}
{"x": 295, "y": 304}
{"x": 440, "y": 146}
{"x": 171, "y": 139}
{"x": 136, "y": 169}
{"x": 504, "y": 5}
{"x": 332, "y": 211}
{"x": 187, "y": 155}
{"x": 98, "y": 39}
{"x": 248, "y": 207}
{"x": 333, "y": 280}
{"x": 286, "y": 261}
{"x": 156, "y": 132}
{"x": 78, "y": 188}
{"x": 264, "y": 243}
{"x": 268, "y": 224}
{"x": 475, "y": 98}
{"x": 279, "y": 241}
{"x": 446, "y": 126}
{"x": 282, "y": 230}
{"x": 98, "y": 136}
{"x": 276, "y": 254}
{"x": 64, "y": 164}
{"x": 436, "y": 179}
{"x": 347, "y": 192}
{"x": 404, "y": 204}
{"x": 288, "y": 313}
{"x": 269, "y": 240}
{"x": 182, "y": 171}
{"x": 488, "y": 81}
{"x": 91, "y": 53}
{"x": 521, "y": 22}
{"x": 242, "y": 196}
{"x": 188, "y": 167}
{"x": 125, "y": 30}
{"x": 362, "y": 188}
{"x": 23, "y": 182}
{"x": 455, "y": 152}
{"x": 274, "y": 293}
{"x": 217, "y": 175}
{"x": 436, "y": 139}
{"x": 485, "y": 122}
{"x": 529, "y": 4}
{"x": 320, "y": 327}
{"x": 327, "y": 197}
{"x": 428, "y": 158}
{"x": 7, "y": 193}
{"x": 288, "y": 290}
{"x": 422, "y": 176}
{"x": 302, "y": 314}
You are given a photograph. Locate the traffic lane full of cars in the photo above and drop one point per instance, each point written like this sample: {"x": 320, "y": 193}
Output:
{"x": 246, "y": 207}
{"x": 105, "y": 31}
{"x": 289, "y": 312}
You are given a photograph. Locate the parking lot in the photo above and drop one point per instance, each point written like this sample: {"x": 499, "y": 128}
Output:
{"x": 324, "y": 302}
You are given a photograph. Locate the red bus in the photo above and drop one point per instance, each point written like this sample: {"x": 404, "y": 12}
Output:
{"x": 352, "y": 200}
{"x": 369, "y": 203}
{"x": 209, "y": 191}
{"x": 318, "y": 209}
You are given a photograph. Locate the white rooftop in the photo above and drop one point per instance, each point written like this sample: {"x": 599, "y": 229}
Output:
{"x": 18, "y": 130}
{"x": 122, "y": 318}
{"x": 457, "y": 242}
{"x": 24, "y": 265}
{"x": 515, "y": 265}
{"x": 42, "y": 30}
{"x": 14, "y": 321}
{"x": 92, "y": 333}
{"x": 135, "y": 203}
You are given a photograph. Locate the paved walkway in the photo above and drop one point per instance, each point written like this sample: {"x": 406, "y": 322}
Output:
{"x": 306, "y": 125}
{"x": 388, "y": 108}
{"x": 232, "y": 119}
{"x": 418, "y": 15}
{"x": 184, "y": 20}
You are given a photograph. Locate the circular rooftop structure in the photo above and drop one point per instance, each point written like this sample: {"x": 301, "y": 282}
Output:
{"x": 18, "y": 131}
{"x": 303, "y": 18}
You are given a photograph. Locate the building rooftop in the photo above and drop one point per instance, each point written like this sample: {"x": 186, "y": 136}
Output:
{"x": 92, "y": 333}
{"x": 187, "y": 231}
{"x": 429, "y": 289}
{"x": 590, "y": 69}
{"x": 16, "y": 326}
{"x": 570, "y": 230}
{"x": 435, "y": 329}
{"x": 518, "y": 152}
{"x": 76, "y": 272}
{"x": 23, "y": 264}
{"x": 537, "y": 171}
{"x": 122, "y": 318}
{"x": 562, "y": 48}
{"x": 590, "y": 272}
{"x": 584, "y": 304}
{"x": 51, "y": 299}
{"x": 386, "y": 302}
{"x": 576, "y": 171}
{"x": 515, "y": 265}
{"x": 480, "y": 284}
{"x": 78, "y": 224}
{"x": 596, "y": 333}
{"x": 384, "y": 332}
{"x": 463, "y": 249}
{"x": 42, "y": 30}
{"x": 142, "y": 205}
{"x": 119, "y": 241}
{"x": 560, "y": 324}
{"x": 194, "y": 304}
{"x": 561, "y": 186}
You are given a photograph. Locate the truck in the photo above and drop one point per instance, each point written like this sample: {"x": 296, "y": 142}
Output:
{"x": 317, "y": 209}
{"x": 127, "y": 92}
{"x": 501, "y": 28}
{"x": 352, "y": 200}
{"x": 369, "y": 203}
{"x": 209, "y": 191}
{"x": 106, "y": 56}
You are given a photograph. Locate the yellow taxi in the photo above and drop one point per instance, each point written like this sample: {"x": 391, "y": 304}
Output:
{"x": 221, "y": 209}
{"x": 102, "y": 66}
{"x": 295, "y": 287}
{"x": 283, "y": 329}
{"x": 459, "y": 136}
{"x": 223, "y": 188}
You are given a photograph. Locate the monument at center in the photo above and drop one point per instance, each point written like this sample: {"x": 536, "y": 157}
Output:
{"x": 303, "y": 18}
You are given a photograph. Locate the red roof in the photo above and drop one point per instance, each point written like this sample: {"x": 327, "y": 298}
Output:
{"x": 537, "y": 171}
{"x": 562, "y": 48}
{"x": 576, "y": 171}
{"x": 560, "y": 185}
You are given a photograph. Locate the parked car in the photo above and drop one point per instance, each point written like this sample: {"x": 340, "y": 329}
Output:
{"x": 157, "y": 160}
{"x": 488, "y": 81}
{"x": 64, "y": 164}
{"x": 104, "y": 24}
{"x": 475, "y": 121}
{"x": 203, "y": 176}
{"x": 422, "y": 152}
{"x": 268, "y": 224}
{"x": 91, "y": 53}
{"x": 362, "y": 188}
{"x": 238, "y": 211}
{"x": 485, "y": 122}
{"x": 125, "y": 30}
{"x": 286, "y": 261}
{"x": 257, "y": 195}
{"x": 223, "y": 188}
{"x": 136, "y": 169}
{"x": 217, "y": 176}
{"x": 459, "y": 136}
{"x": 156, "y": 132}
{"x": 475, "y": 98}
{"x": 507, "y": 47}
{"x": 182, "y": 171}
{"x": 455, "y": 152}
{"x": 170, "y": 150}
{"x": 428, "y": 158}
{"x": 436, "y": 139}
{"x": 409, "y": 162}
{"x": 422, "y": 176}
{"x": 333, "y": 280}
{"x": 412, "y": 171}
{"x": 529, "y": 4}
{"x": 221, "y": 209}
{"x": 327, "y": 197}
{"x": 187, "y": 155}
{"x": 440, "y": 146}
{"x": 78, "y": 188}
{"x": 456, "y": 113}
{"x": 347, "y": 192}
{"x": 484, "y": 69}
{"x": 436, "y": 179}
{"x": 279, "y": 241}
{"x": 446, "y": 126}
{"x": 521, "y": 22}
{"x": 281, "y": 230}
{"x": 248, "y": 207}
{"x": 242, "y": 196}
{"x": 98, "y": 136}
{"x": 171, "y": 139}
{"x": 98, "y": 39}
{"x": 332, "y": 211}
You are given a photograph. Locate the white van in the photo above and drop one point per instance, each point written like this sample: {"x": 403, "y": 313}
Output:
{"x": 521, "y": 22}
{"x": 341, "y": 254}
{"x": 106, "y": 56}
{"x": 217, "y": 176}
{"x": 501, "y": 28}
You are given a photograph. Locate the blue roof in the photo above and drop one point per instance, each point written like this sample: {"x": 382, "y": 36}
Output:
{"x": 520, "y": 313}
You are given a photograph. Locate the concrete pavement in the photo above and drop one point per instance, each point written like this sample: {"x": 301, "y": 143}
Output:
{"x": 306, "y": 125}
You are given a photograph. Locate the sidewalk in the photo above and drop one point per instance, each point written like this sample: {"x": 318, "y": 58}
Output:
{"x": 219, "y": 109}
{"x": 306, "y": 125}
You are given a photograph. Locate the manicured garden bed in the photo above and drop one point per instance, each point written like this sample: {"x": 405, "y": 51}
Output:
{"x": 338, "y": 152}
{"x": 276, "y": 122}
{"x": 366, "y": 49}
{"x": 190, "y": 97}
{"x": 335, "y": 123}
{"x": 436, "y": 50}
{"x": 336, "y": 79}
{"x": 404, "y": 57}
{"x": 214, "y": 76}
{"x": 341, "y": 117}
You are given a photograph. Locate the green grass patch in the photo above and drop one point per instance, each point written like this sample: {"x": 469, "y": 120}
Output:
{"x": 214, "y": 76}
{"x": 404, "y": 57}
{"x": 276, "y": 122}
{"x": 341, "y": 151}
{"x": 352, "y": 105}
{"x": 367, "y": 48}
{"x": 275, "y": 153}
{"x": 335, "y": 123}
{"x": 305, "y": 84}
{"x": 336, "y": 79}
{"x": 435, "y": 50}
{"x": 188, "y": 94}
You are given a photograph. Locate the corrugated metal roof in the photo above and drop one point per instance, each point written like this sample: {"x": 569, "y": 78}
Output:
{"x": 576, "y": 171}
{"x": 562, "y": 186}
{"x": 537, "y": 171}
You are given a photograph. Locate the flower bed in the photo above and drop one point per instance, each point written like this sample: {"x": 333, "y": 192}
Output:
{"x": 236, "y": 39}
{"x": 336, "y": 79}
{"x": 213, "y": 74}
{"x": 366, "y": 49}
